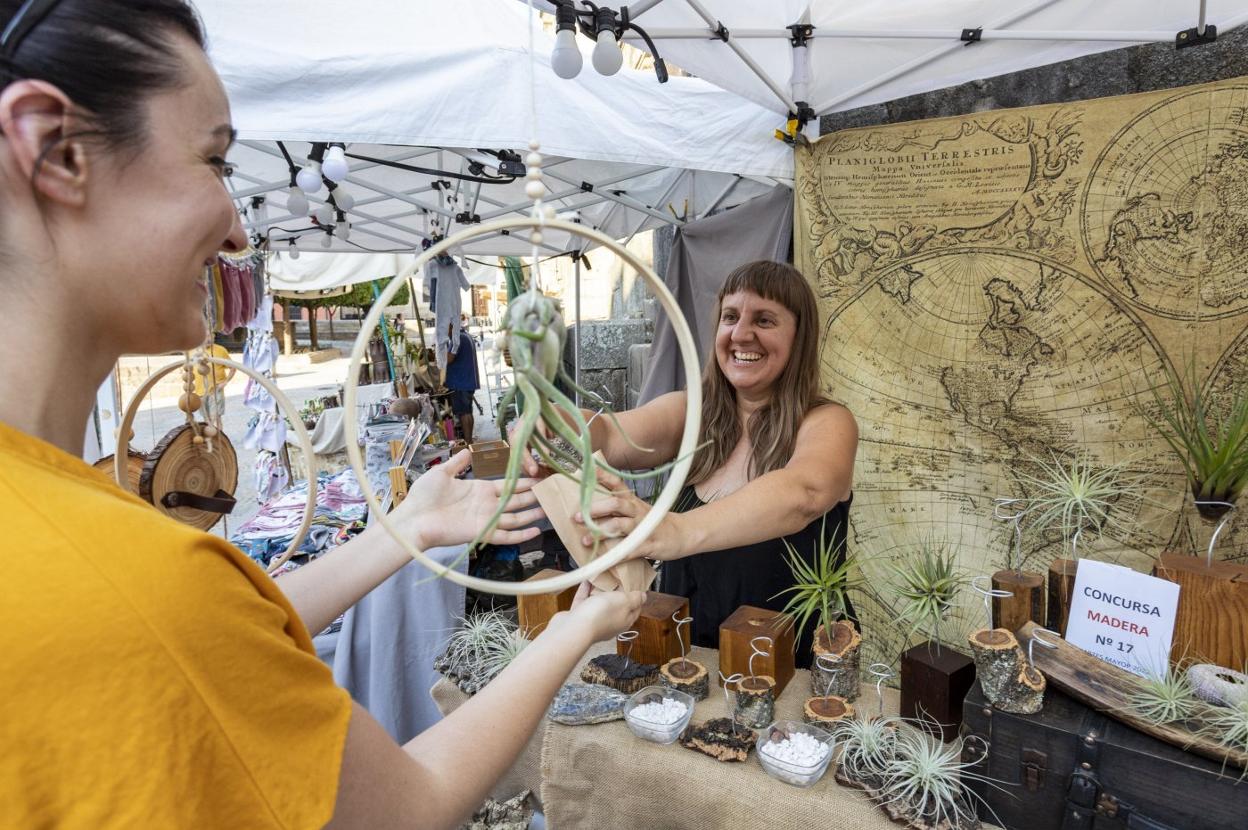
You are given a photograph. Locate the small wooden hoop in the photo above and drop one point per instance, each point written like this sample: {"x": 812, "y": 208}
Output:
{"x": 301, "y": 432}
{"x": 688, "y": 441}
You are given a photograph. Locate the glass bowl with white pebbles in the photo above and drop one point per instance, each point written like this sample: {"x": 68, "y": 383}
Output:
{"x": 795, "y": 752}
{"x": 658, "y": 714}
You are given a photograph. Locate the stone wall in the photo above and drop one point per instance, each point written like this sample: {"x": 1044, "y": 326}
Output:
{"x": 1118, "y": 72}
{"x": 604, "y": 358}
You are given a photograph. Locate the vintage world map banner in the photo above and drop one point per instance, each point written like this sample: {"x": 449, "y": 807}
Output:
{"x": 1003, "y": 286}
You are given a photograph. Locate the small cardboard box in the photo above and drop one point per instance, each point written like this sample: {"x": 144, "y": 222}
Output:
{"x": 489, "y": 459}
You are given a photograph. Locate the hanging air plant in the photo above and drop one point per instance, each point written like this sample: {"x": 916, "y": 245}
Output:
{"x": 1077, "y": 497}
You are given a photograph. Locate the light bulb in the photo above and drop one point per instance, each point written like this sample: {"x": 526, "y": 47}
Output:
{"x": 296, "y": 202}
{"x": 294, "y": 250}
{"x": 327, "y": 240}
{"x": 343, "y": 198}
{"x": 607, "y": 55}
{"x": 309, "y": 178}
{"x": 565, "y": 58}
{"x": 324, "y": 215}
{"x": 344, "y": 232}
{"x": 335, "y": 165}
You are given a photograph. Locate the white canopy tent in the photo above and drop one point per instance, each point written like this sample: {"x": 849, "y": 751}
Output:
{"x": 432, "y": 84}
{"x": 857, "y": 54}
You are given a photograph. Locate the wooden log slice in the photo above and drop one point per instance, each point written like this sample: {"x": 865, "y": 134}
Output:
{"x": 1026, "y": 600}
{"x": 134, "y": 468}
{"x": 688, "y": 676}
{"x": 845, "y": 642}
{"x": 1025, "y": 695}
{"x": 827, "y": 711}
{"x": 756, "y": 701}
{"x": 620, "y": 673}
{"x": 998, "y": 659}
{"x": 176, "y": 463}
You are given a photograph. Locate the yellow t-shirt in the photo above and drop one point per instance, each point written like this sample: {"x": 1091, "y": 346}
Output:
{"x": 151, "y": 675}
{"x": 220, "y": 373}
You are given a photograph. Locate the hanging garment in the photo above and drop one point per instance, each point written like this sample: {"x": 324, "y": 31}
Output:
{"x": 448, "y": 305}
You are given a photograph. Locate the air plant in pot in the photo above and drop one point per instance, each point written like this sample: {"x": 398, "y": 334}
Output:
{"x": 1079, "y": 500}
{"x": 934, "y": 677}
{"x": 820, "y": 591}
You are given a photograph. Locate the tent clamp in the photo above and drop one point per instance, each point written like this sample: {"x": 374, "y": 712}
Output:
{"x": 467, "y": 218}
{"x": 801, "y": 33}
{"x": 586, "y": 187}
{"x": 970, "y": 36}
{"x": 1193, "y": 37}
{"x": 720, "y": 32}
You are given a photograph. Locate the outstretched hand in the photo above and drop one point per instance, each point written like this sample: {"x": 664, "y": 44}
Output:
{"x": 621, "y": 511}
{"x": 443, "y": 509}
{"x": 602, "y": 614}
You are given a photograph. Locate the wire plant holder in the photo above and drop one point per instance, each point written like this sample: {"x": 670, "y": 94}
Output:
{"x": 1227, "y": 515}
{"x": 982, "y": 585}
{"x": 830, "y": 668}
{"x": 682, "y": 624}
{"x": 627, "y": 637}
{"x": 882, "y": 673}
{"x": 1036, "y": 638}
{"x": 729, "y": 697}
{"x": 1001, "y": 510}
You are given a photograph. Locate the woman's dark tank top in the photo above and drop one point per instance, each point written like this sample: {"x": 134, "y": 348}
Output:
{"x": 718, "y": 582}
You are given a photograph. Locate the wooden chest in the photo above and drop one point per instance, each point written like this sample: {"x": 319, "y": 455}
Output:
{"x": 1069, "y": 767}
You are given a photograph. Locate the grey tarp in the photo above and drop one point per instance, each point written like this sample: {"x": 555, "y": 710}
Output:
{"x": 704, "y": 253}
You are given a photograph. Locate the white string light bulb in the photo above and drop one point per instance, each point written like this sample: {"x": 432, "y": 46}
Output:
{"x": 607, "y": 55}
{"x": 343, "y": 198}
{"x": 296, "y": 202}
{"x": 294, "y": 249}
{"x": 327, "y": 240}
{"x": 309, "y": 179}
{"x": 324, "y": 215}
{"x": 335, "y": 165}
{"x": 565, "y": 58}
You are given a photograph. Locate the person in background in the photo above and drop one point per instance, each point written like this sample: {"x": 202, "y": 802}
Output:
{"x": 153, "y": 675}
{"x": 463, "y": 380}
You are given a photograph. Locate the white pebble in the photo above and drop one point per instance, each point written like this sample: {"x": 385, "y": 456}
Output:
{"x": 799, "y": 749}
{"x": 668, "y": 712}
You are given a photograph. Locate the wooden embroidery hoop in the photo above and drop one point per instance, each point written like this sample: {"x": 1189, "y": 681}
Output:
{"x": 283, "y": 402}
{"x": 688, "y": 441}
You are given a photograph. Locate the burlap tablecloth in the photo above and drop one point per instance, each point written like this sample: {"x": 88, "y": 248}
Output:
{"x": 602, "y": 777}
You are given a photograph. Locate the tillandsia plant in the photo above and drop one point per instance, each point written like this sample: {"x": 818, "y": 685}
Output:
{"x": 1075, "y": 496}
{"x": 1209, "y": 431}
{"x": 535, "y": 333}
{"x": 820, "y": 585}
{"x": 481, "y": 647}
{"x": 928, "y": 585}
{"x": 925, "y": 781}
{"x": 1164, "y": 696}
{"x": 867, "y": 748}
{"x": 1228, "y": 727}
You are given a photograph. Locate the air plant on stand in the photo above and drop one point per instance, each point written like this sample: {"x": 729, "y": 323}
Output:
{"x": 925, "y": 782}
{"x": 928, "y": 586}
{"x": 479, "y": 649}
{"x": 1164, "y": 696}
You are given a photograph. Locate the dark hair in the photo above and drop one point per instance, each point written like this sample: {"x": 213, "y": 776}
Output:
{"x": 108, "y": 56}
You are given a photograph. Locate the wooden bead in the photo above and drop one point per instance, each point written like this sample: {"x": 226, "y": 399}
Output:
{"x": 534, "y": 190}
{"x": 210, "y": 431}
{"x": 197, "y": 440}
{"x": 202, "y": 368}
{"x": 190, "y": 402}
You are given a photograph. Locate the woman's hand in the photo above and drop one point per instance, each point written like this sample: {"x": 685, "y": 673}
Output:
{"x": 601, "y": 614}
{"x": 442, "y": 509}
{"x": 620, "y": 512}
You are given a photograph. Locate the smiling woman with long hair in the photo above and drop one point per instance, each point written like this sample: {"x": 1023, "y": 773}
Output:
{"x": 776, "y": 459}
{"x": 153, "y": 675}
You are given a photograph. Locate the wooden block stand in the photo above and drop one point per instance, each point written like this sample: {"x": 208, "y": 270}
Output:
{"x": 1061, "y": 589}
{"x": 1212, "y": 623}
{"x": 1027, "y": 602}
{"x": 746, "y": 623}
{"x": 933, "y": 685}
{"x": 535, "y": 610}
{"x": 656, "y": 641}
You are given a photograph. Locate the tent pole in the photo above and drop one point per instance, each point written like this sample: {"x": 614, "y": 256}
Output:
{"x": 776, "y": 89}
{"x": 576, "y": 343}
{"x": 1200, "y": 21}
{"x": 667, "y": 194}
{"x": 723, "y": 194}
{"x": 624, "y": 200}
{"x": 572, "y": 191}
{"x": 923, "y": 60}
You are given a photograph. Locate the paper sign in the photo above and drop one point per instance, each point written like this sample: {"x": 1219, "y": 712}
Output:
{"x": 1123, "y": 617}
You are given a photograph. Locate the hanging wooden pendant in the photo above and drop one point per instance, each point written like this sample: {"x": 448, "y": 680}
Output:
{"x": 186, "y": 482}
{"x": 134, "y": 468}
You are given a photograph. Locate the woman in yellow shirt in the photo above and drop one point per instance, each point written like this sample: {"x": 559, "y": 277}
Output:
{"x": 152, "y": 675}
